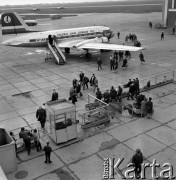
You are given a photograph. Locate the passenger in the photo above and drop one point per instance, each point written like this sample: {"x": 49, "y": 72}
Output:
{"x": 23, "y": 133}
{"x": 98, "y": 94}
{"x": 137, "y": 90}
{"x": 92, "y": 80}
{"x": 41, "y": 116}
{"x": 106, "y": 96}
{"x": 116, "y": 63}
{"x": 141, "y": 57}
{"x": 35, "y": 134}
{"x": 137, "y": 160}
{"x": 54, "y": 95}
{"x": 81, "y": 76}
{"x": 28, "y": 143}
{"x": 162, "y": 35}
{"x": 118, "y": 35}
{"x": 131, "y": 92}
{"x": 116, "y": 55}
{"x": 78, "y": 89}
{"x": 113, "y": 94}
{"x": 150, "y": 25}
{"x": 143, "y": 107}
{"x": 75, "y": 81}
{"x": 111, "y": 62}
{"x": 148, "y": 84}
{"x": 120, "y": 55}
{"x": 129, "y": 83}
{"x": 99, "y": 62}
{"x": 126, "y": 38}
{"x": 73, "y": 97}
{"x": 48, "y": 151}
{"x": 125, "y": 64}
{"x": 149, "y": 108}
{"x": 95, "y": 86}
{"x": 50, "y": 39}
{"x": 119, "y": 94}
{"x": 85, "y": 82}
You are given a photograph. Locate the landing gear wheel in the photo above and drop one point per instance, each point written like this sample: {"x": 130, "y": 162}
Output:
{"x": 88, "y": 55}
{"x": 67, "y": 50}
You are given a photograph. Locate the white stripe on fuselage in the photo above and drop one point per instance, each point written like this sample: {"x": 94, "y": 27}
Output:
{"x": 85, "y": 32}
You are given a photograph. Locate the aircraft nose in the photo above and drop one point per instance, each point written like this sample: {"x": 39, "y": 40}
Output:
{"x": 10, "y": 43}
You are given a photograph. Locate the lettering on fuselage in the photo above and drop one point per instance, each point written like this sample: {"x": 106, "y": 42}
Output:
{"x": 70, "y": 35}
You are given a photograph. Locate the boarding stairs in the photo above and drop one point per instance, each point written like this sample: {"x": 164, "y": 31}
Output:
{"x": 57, "y": 53}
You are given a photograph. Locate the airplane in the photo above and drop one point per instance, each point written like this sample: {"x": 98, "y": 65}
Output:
{"x": 86, "y": 38}
{"x": 60, "y": 7}
{"x": 35, "y": 9}
{"x": 31, "y": 22}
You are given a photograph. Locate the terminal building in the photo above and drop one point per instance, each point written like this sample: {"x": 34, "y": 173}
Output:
{"x": 169, "y": 13}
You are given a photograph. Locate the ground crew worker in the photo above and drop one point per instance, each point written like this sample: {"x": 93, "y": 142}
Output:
{"x": 48, "y": 151}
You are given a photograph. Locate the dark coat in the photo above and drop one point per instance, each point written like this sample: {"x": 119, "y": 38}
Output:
{"x": 81, "y": 76}
{"x": 41, "y": 115}
{"x": 113, "y": 93}
{"x": 149, "y": 107}
{"x": 47, "y": 149}
{"x": 137, "y": 159}
{"x": 98, "y": 95}
{"x": 54, "y": 96}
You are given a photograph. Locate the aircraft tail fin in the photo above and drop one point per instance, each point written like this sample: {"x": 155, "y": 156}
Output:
{"x": 12, "y": 23}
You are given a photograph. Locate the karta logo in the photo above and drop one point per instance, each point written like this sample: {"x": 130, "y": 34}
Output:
{"x": 7, "y": 19}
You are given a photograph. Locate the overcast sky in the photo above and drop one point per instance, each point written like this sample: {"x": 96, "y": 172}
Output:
{"x": 21, "y": 2}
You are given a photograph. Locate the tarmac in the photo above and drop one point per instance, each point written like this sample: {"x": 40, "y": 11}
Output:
{"x": 27, "y": 81}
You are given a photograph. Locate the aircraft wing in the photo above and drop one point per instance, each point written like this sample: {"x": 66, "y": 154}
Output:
{"x": 70, "y": 43}
{"x": 106, "y": 46}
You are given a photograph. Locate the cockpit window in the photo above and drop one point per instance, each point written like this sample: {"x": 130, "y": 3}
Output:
{"x": 107, "y": 31}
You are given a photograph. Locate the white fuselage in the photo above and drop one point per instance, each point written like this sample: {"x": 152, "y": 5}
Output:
{"x": 40, "y": 39}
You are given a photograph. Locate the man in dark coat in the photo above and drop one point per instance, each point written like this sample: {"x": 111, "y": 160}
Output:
{"x": 119, "y": 93}
{"x": 162, "y": 35}
{"x": 131, "y": 91}
{"x": 85, "y": 82}
{"x": 141, "y": 57}
{"x": 106, "y": 96}
{"x": 41, "y": 116}
{"x": 54, "y": 95}
{"x": 113, "y": 93}
{"x": 149, "y": 108}
{"x": 81, "y": 76}
{"x": 137, "y": 91}
{"x": 98, "y": 94}
{"x": 48, "y": 151}
{"x": 99, "y": 62}
{"x": 118, "y": 34}
{"x": 75, "y": 82}
{"x": 137, "y": 160}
